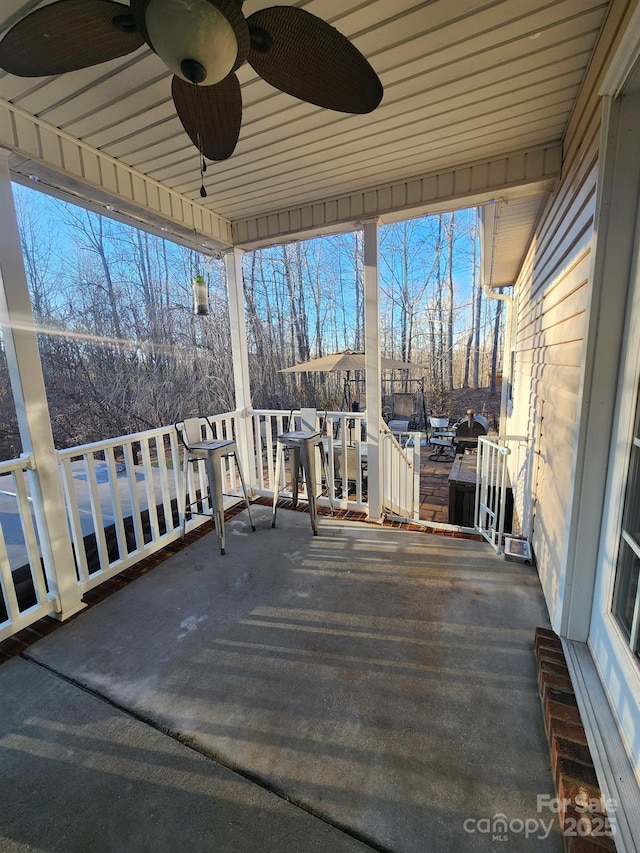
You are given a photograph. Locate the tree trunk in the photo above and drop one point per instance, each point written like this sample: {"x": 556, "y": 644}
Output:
{"x": 495, "y": 347}
{"x": 450, "y": 312}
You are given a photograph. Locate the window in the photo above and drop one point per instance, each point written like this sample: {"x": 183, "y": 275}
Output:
{"x": 626, "y": 598}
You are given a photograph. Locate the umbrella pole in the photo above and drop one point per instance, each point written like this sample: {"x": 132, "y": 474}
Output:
{"x": 346, "y": 395}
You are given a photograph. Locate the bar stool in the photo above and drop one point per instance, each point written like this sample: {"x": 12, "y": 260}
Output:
{"x": 301, "y": 446}
{"x": 212, "y": 451}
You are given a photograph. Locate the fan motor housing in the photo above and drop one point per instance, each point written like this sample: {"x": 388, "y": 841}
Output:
{"x": 211, "y": 33}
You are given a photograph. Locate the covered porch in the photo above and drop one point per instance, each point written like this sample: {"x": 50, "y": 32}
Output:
{"x": 365, "y": 689}
{"x": 258, "y": 199}
{"x": 368, "y": 688}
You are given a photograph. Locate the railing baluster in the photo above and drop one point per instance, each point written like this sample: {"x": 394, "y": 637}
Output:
{"x": 29, "y": 533}
{"x": 73, "y": 513}
{"x": 7, "y": 584}
{"x": 96, "y": 510}
{"x": 133, "y": 496}
{"x": 164, "y": 484}
{"x": 154, "y": 523}
{"x": 116, "y": 503}
{"x": 177, "y": 474}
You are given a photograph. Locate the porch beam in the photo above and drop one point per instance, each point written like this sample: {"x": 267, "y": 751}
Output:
{"x": 68, "y": 168}
{"x": 34, "y": 421}
{"x": 373, "y": 388}
{"x": 469, "y": 185}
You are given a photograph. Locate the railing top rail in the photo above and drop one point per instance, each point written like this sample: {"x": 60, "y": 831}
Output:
{"x": 25, "y": 460}
{"x": 222, "y": 415}
{"x": 500, "y": 442}
{"x": 329, "y": 414}
{"x": 155, "y": 432}
{"x": 492, "y": 445}
{"x": 113, "y": 442}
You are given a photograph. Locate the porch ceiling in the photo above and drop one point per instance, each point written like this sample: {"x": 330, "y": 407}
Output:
{"x": 476, "y": 99}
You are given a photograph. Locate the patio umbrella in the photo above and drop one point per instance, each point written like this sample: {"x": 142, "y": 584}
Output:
{"x": 344, "y": 361}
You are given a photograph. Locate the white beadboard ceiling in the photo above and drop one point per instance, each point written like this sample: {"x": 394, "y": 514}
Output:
{"x": 465, "y": 82}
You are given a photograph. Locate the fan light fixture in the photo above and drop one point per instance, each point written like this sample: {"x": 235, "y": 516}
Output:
{"x": 193, "y": 39}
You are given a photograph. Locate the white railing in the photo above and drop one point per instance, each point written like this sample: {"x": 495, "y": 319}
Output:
{"x": 346, "y": 459}
{"x": 400, "y": 454}
{"x": 125, "y": 497}
{"x": 493, "y": 488}
{"x": 345, "y": 456}
{"x": 121, "y": 499}
{"x": 25, "y": 597}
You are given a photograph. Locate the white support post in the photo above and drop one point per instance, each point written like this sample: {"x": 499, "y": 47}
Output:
{"x": 240, "y": 356}
{"x": 34, "y": 422}
{"x": 373, "y": 386}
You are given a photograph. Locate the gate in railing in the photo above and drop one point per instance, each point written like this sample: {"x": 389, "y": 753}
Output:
{"x": 493, "y": 486}
{"x": 400, "y": 472}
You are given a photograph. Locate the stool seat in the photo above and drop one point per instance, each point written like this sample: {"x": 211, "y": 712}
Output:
{"x": 213, "y": 446}
{"x": 298, "y": 437}
{"x": 301, "y": 445}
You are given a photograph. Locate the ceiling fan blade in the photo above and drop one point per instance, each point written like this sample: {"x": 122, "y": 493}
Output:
{"x": 68, "y": 35}
{"x": 304, "y": 56}
{"x": 211, "y": 115}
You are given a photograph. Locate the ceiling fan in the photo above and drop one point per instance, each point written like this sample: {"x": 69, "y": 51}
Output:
{"x": 203, "y": 42}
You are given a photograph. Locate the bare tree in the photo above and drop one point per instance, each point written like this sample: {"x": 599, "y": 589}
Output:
{"x": 122, "y": 350}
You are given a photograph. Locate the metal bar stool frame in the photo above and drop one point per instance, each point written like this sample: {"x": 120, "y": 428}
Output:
{"x": 212, "y": 451}
{"x": 301, "y": 446}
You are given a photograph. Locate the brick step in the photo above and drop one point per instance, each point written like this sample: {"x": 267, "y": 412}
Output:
{"x": 582, "y": 814}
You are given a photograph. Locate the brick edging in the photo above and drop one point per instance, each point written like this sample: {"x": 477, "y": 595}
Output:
{"x": 582, "y": 815}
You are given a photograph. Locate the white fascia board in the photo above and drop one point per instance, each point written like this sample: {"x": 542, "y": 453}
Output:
{"x": 465, "y": 186}
{"x": 70, "y": 169}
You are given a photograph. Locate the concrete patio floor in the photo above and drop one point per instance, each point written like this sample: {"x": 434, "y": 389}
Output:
{"x": 366, "y": 689}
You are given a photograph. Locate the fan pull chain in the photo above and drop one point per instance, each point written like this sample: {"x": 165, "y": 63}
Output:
{"x": 203, "y": 169}
{"x": 203, "y": 165}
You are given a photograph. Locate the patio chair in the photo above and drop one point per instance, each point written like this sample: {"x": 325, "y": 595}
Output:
{"x": 351, "y": 424}
{"x": 356, "y": 467}
{"x": 212, "y": 451}
{"x": 441, "y": 437}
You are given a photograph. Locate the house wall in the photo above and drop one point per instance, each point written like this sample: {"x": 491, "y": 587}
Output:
{"x": 552, "y": 299}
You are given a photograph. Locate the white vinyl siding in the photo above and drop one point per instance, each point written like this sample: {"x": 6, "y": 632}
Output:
{"x": 553, "y": 292}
